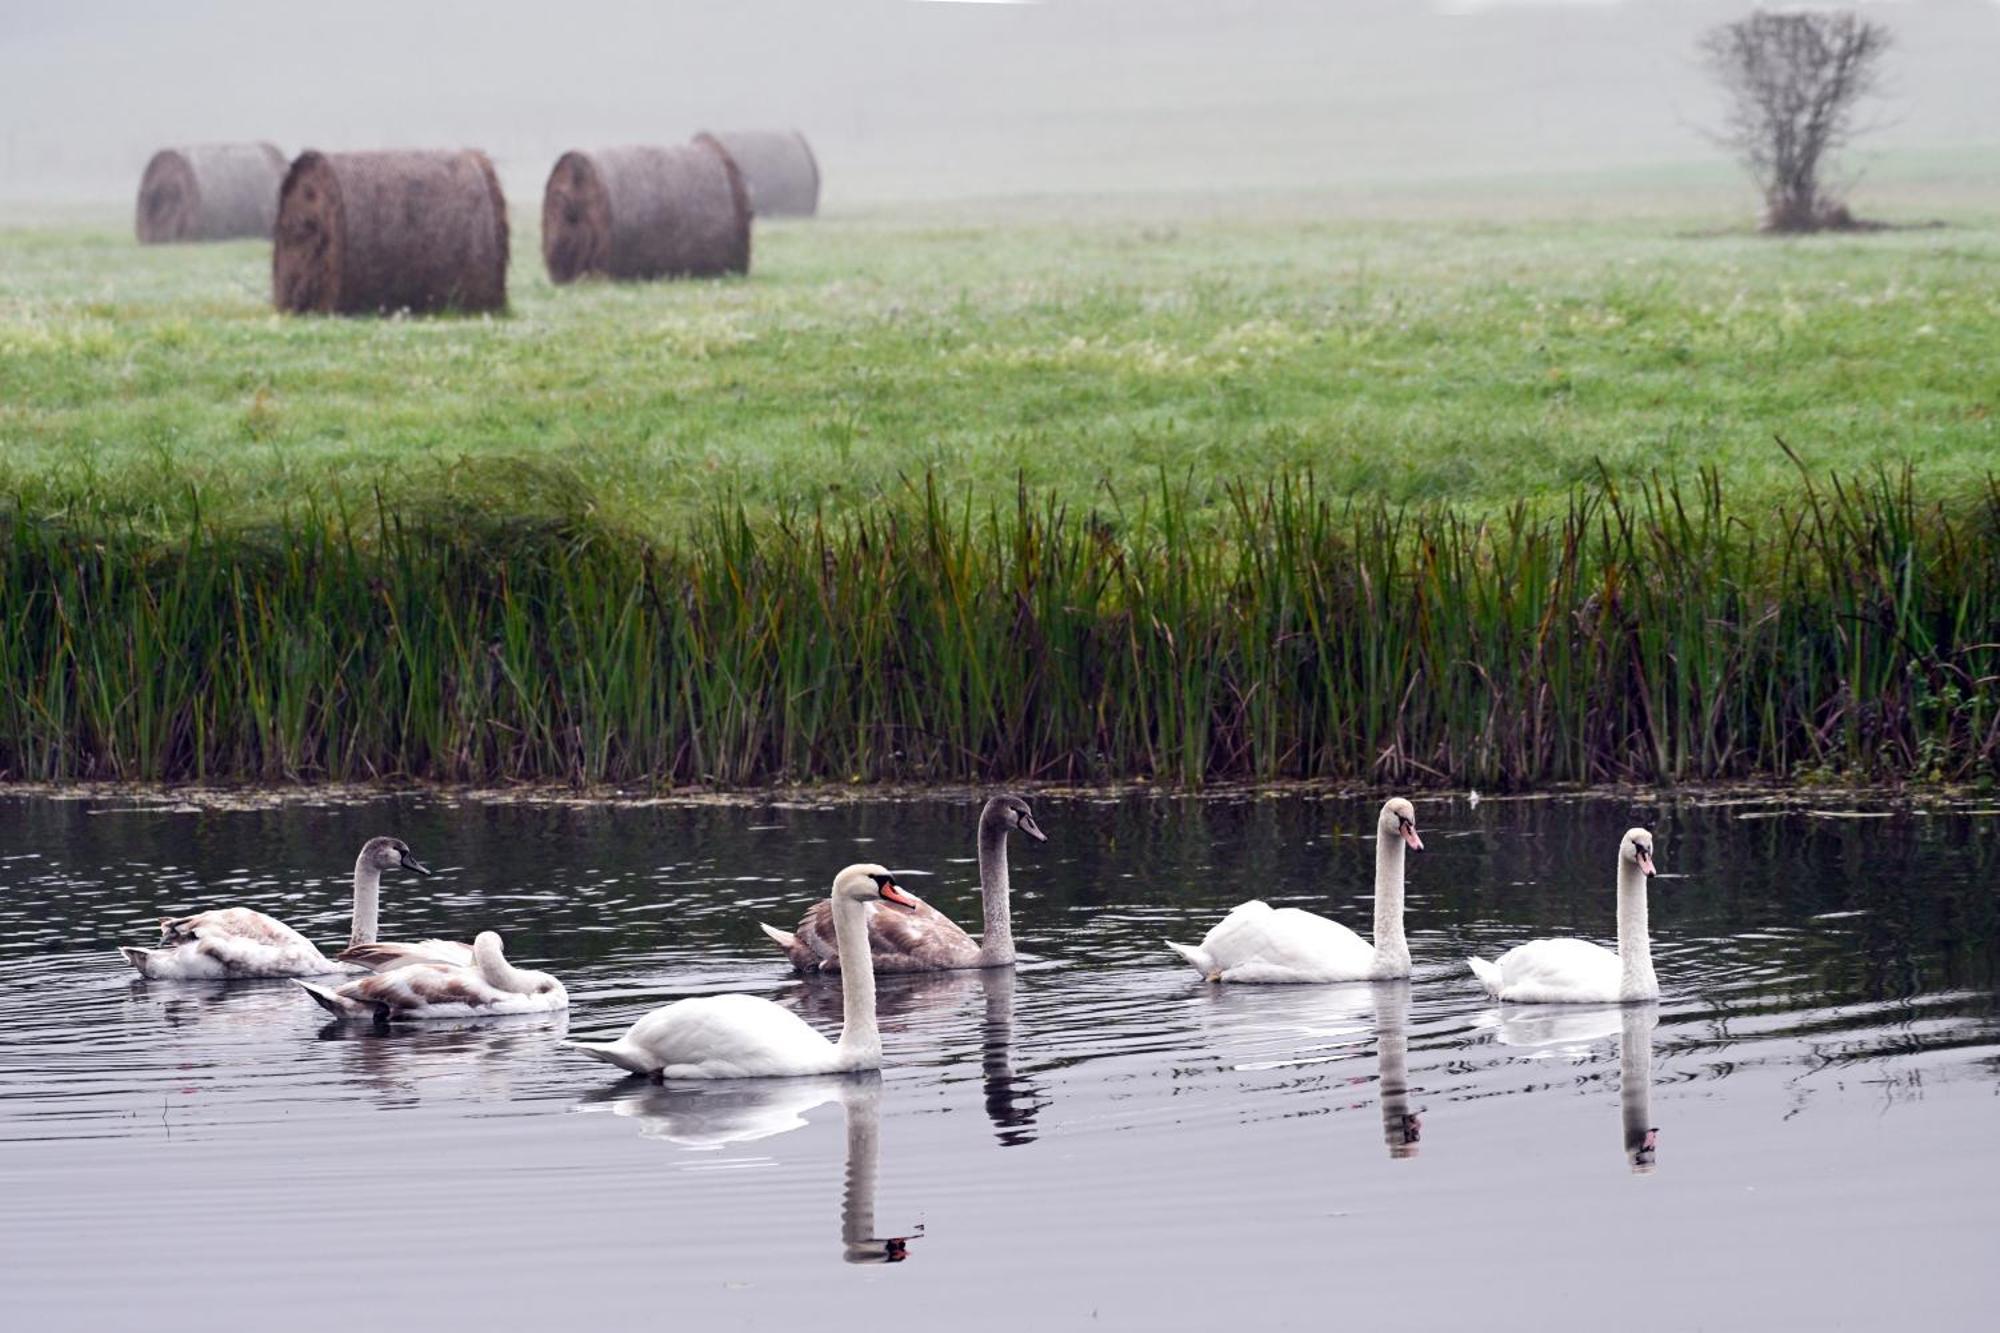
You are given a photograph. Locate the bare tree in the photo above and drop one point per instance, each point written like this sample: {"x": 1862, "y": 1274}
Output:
{"x": 1793, "y": 81}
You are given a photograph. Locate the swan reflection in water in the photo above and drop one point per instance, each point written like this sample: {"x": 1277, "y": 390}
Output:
{"x": 922, "y": 1004}
{"x": 724, "y": 1112}
{"x": 1574, "y": 1032}
{"x": 1635, "y": 1086}
{"x": 401, "y": 1063}
{"x": 1012, "y": 1100}
{"x": 1402, "y": 1128}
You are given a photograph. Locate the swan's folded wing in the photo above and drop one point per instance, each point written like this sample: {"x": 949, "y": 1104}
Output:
{"x": 921, "y": 940}
{"x": 241, "y": 924}
{"x": 250, "y": 956}
{"x": 727, "y": 1035}
{"x": 1256, "y": 942}
{"x": 924, "y": 938}
{"x": 424, "y": 986}
{"x": 387, "y": 955}
{"x": 1559, "y": 970}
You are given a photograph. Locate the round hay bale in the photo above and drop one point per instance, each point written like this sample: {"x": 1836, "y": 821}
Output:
{"x": 778, "y": 169}
{"x": 209, "y": 192}
{"x": 643, "y": 212}
{"x": 373, "y": 233}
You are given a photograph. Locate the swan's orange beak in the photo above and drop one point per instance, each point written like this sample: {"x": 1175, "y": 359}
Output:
{"x": 897, "y": 896}
{"x": 1646, "y": 864}
{"x": 1409, "y": 831}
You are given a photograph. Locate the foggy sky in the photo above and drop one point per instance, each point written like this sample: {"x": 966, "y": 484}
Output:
{"x": 932, "y": 100}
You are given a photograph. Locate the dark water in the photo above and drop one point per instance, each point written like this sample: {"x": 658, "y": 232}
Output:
{"x": 1101, "y": 1140}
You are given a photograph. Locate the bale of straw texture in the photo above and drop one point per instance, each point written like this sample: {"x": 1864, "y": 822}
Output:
{"x": 645, "y": 213}
{"x": 373, "y": 233}
{"x": 209, "y": 192}
{"x": 778, "y": 169}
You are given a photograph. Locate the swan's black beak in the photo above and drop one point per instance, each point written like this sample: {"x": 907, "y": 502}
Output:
{"x": 412, "y": 863}
{"x": 1032, "y": 829}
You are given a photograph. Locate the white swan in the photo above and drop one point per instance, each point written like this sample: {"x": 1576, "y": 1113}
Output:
{"x": 1259, "y": 943}
{"x": 240, "y": 942}
{"x": 490, "y": 987}
{"x": 1567, "y": 971}
{"x": 743, "y": 1036}
{"x": 926, "y": 940}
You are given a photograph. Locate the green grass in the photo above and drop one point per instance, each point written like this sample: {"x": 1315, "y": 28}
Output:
{"x": 927, "y": 499}
{"x": 1442, "y": 361}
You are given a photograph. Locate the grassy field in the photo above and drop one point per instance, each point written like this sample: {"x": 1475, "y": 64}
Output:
{"x": 1435, "y": 361}
{"x": 1271, "y": 495}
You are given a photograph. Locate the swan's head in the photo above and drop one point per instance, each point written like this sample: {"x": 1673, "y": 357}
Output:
{"x": 867, "y": 883}
{"x": 877, "y": 1250}
{"x": 1399, "y": 820}
{"x": 1638, "y": 849}
{"x": 486, "y": 946}
{"x": 379, "y": 854}
{"x": 1011, "y": 812}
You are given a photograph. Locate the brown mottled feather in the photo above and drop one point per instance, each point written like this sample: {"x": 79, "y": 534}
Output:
{"x": 385, "y": 955}
{"x": 242, "y": 923}
{"x": 418, "y": 985}
{"x": 923, "y": 940}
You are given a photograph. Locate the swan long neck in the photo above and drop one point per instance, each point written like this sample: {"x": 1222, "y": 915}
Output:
{"x": 499, "y": 973}
{"x": 1635, "y": 940}
{"x": 1392, "y": 951}
{"x": 367, "y": 902}
{"x": 996, "y": 943}
{"x": 860, "y": 1045}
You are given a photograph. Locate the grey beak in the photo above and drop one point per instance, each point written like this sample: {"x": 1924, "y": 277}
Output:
{"x": 1032, "y": 829}
{"x": 412, "y": 863}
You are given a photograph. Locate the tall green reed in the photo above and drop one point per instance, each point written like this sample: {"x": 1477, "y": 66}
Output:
{"x": 1646, "y": 633}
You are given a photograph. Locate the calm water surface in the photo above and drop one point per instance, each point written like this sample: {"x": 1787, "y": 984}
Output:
{"x": 1101, "y": 1139}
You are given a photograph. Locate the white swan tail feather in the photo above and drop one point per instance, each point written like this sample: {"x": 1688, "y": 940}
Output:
{"x": 784, "y": 939}
{"x": 1196, "y": 957}
{"x": 1488, "y": 974}
{"x": 138, "y": 958}
{"x": 615, "y": 1053}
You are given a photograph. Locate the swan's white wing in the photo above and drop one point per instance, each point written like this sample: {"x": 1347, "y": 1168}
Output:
{"x": 729, "y": 1036}
{"x": 1257, "y": 943}
{"x": 1560, "y": 971}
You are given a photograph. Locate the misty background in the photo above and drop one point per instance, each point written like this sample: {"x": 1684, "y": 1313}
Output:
{"x": 905, "y": 100}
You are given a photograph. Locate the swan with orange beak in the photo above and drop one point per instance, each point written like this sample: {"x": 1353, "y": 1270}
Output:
{"x": 746, "y": 1036}
{"x": 1259, "y": 943}
{"x": 1567, "y": 971}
